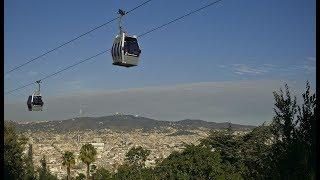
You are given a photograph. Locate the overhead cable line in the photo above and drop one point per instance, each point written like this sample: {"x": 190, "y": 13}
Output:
{"x": 78, "y": 37}
{"x": 178, "y": 18}
{"x": 102, "y": 52}
{"x": 60, "y": 71}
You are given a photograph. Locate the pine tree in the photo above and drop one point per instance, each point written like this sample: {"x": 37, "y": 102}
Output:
{"x": 30, "y": 174}
{"x": 43, "y": 168}
{"x": 13, "y": 153}
{"x": 285, "y": 109}
{"x": 307, "y": 132}
{"x": 44, "y": 172}
{"x": 292, "y": 155}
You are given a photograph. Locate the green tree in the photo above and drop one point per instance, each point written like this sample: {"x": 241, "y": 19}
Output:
{"x": 44, "y": 172}
{"x": 227, "y": 144}
{"x": 229, "y": 129}
{"x": 80, "y": 176}
{"x": 283, "y": 127}
{"x": 255, "y": 151}
{"x": 284, "y": 121}
{"x": 195, "y": 162}
{"x": 306, "y": 117}
{"x": 68, "y": 160}
{"x": 43, "y": 169}
{"x": 30, "y": 174}
{"x": 88, "y": 155}
{"x": 137, "y": 156}
{"x": 306, "y": 133}
{"x": 102, "y": 174}
{"x": 133, "y": 168}
{"x": 294, "y": 128}
{"x": 13, "y": 153}
{"x": 127, "y": 171}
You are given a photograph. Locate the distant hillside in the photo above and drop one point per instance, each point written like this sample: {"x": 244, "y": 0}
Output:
{"x": 123, "y": 123}
{"x": 194, "y": 124}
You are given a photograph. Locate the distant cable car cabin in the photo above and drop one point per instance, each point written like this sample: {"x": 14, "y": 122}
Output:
{"x": 35, "y": 102}
{"x": 125, "y": 50}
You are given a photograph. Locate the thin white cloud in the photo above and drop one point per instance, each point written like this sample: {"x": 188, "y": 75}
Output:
{"x": 308, "y": 68}
{"x": 313, "y": 59}
{"x": 245, "y": 69}
{"x": 237, "y": 72}
{"x": 269, "y": 65}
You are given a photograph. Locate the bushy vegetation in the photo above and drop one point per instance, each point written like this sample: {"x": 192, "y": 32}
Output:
{"x": 68, "y": 160}
{"x": 88, "y": 155}
{"x": 285, "y": 149}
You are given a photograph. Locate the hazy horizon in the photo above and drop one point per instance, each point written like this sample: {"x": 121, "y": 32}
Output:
{"x": 208, "y": 101}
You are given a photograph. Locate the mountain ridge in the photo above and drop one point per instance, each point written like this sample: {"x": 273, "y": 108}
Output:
{"x": 124, "y": 123}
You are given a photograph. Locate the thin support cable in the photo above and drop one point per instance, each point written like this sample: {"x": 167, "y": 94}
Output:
{"x": 102, "y": 52}
{"x": 77, "y": 37}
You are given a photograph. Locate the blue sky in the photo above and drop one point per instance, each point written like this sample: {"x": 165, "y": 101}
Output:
{"x": 232, "y": 41}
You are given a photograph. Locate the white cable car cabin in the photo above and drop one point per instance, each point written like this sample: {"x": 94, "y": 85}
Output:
{"x": 35, "y": 102}
{"x": 125, "y": 50}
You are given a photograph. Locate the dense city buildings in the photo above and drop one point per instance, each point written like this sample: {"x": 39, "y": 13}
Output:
{"x": 111, "y": 146}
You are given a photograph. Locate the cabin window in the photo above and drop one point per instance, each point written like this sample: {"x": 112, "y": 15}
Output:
{"x": 112, "y": 51}
{"x": 116, "y": 50}
{"x": 37, "y": 100}
{"x": 29, "y": 100}
{"x": 131, "y": 46}
{"x": 119, "y": 50}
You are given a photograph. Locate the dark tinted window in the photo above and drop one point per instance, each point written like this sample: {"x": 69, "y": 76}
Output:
{"x": 29, "y": 100}
{"x": 131, "y": 46}
{"x": 117, "y": 50}
{"x": 37, "y": 100}
{"x": 112, "y": 51}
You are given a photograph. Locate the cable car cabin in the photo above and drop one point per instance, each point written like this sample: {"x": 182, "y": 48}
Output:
{"x": 35, "y": 102}
{"x": 125, "y": 50}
